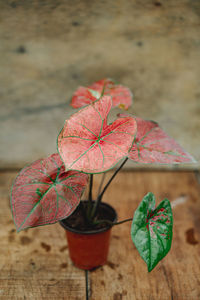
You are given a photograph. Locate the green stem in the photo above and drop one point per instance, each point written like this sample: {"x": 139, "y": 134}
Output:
{"x": 101, "y": 184}
{"x": 113, "y": 223}
{"x": 102, "y": 92}
{"x": 89, "y": 208}
{"x": 99, "y": 198}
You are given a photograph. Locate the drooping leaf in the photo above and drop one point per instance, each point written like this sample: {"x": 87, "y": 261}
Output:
{"x": 88, "y": 144}
{"x": 121, "y": 95}
{"x": 153, "y": 145}
{"x": 44, "y": 193}
{"x": 151, "y": 230}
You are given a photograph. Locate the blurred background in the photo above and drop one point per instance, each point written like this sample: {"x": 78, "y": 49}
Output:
{"x": 49, "y": 48}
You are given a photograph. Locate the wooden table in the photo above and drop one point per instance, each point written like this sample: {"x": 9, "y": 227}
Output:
{"x": 34, "y": 264}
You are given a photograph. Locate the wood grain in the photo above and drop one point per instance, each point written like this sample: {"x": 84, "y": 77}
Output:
{"x": 34, "y": 264}
{"x": 178, "y": 276}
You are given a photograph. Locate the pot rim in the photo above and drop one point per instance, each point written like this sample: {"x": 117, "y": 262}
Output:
{"x": 95, "y": 231}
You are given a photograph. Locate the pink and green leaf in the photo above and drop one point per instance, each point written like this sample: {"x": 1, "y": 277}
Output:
{"x": 153, "y": 145}
{"x": 121, "y": 95}
{"x": 88, "y": 144}
{"x": 151, "y": 230}
{"x": 43, "y": 193}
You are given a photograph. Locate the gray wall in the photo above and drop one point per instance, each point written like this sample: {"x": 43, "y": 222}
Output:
{"x": 48, "y": 48}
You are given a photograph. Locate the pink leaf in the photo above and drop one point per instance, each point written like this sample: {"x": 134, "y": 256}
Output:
{"x": 121, "y": 95}
{"x": 88, "y": 144}
{"x": 153, "y": 145}
{"x": 44, "y": 193}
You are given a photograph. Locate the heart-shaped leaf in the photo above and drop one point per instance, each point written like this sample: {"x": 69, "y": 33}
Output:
{"x": 153, "y": 145}
{"x": 88, "y": 144}
{"x": 151, "y": 230}
{"x": 44, "y": 193}
{"x": 121, "y": 95}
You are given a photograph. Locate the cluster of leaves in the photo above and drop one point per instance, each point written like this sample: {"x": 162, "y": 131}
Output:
{"x": 50, "y": 189}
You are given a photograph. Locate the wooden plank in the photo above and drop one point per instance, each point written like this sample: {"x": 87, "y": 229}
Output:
{"x": 34, "y": 264}
{"x": 178, "y": 276}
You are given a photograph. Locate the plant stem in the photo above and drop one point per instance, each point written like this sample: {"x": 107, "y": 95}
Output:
{"x": 98, "y": 201}
{"x": 113, "y": 223}
{"x": 89, "y": 208}
{"x": 102, "y": 92}
{"x": 83, "y": 211}
{"x": 123, "y": 221}
{"x": 101, "y": 184}
{"x": 113, "y": 176}
{"x": 90, "y": 190}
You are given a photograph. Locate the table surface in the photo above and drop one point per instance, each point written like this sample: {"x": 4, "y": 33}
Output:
{"x": 34, "y": 264}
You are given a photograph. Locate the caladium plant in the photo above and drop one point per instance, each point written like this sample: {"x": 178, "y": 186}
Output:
{"x": 50, "y": 189}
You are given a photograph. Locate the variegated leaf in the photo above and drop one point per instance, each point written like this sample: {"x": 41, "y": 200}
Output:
{"x": 121, "y": 95}
{"x": 151, "y": 230}
{"x": 153, "y": 145}
{"x": 88, "y": 144}
{"x": 43, "y": 193}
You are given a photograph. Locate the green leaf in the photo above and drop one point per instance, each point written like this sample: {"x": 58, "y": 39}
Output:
{"x": 151, "y": 230}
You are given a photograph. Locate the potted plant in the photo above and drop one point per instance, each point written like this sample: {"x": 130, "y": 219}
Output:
{"x": 49, "y": 190}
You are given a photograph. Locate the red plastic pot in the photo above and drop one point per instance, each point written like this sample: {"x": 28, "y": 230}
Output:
{"x": 89, "y": 249}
